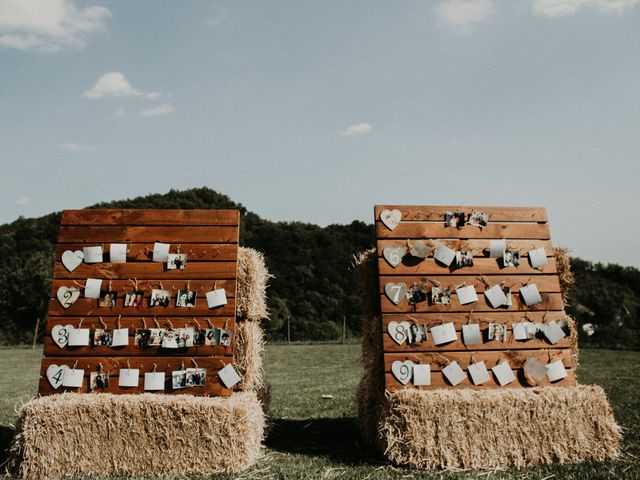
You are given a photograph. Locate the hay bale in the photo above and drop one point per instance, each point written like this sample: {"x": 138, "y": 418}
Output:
{"x": 253, "y": 276}
{"x": 249, "y": 351}
{"x": 169, "y": 435}
{"x": 498, "y": 428}
{"x": 566, "y": 276}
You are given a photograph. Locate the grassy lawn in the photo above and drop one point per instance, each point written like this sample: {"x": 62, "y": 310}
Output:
{"x": 315, "y": 438}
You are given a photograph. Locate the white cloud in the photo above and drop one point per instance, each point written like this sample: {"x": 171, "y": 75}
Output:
{"x": 162, "y": 109}
{"x": 23, "y": 201}
{"x": 561, "y": 8}
{"x": 48, "y": 25}
{"x": 112, "y": 84}
{"x": 356, "y": 129}
{"x": 462, "y": 14}
{"x": 77, "y": 148}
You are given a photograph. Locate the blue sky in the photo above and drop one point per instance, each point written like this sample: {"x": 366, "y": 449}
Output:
{"x": 316, "y": 111}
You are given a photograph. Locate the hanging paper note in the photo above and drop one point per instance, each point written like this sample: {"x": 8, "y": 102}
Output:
{"x": 421, "y": 375}
{"x": 154, "y": 381}
{"x": 444, "y": 333}
{"x": 495, "y": 296}
{"x": 478, "y": 372}
{"x": 497, "y": 248}
{"x": 553, "y": 332}
{"x": 454, "y": 373}
{"x": 520, "y": 331}
{"x": 92, "y": 254}
{"x": 129, "y": 377}
{"x": 161, "y": 252}
{"x": 503, "y": 373}
{"x": 120, "y": 337}
{"x": 216, "y": 298}
{"x": 73, "y": 378}
{"x": 420, "y": 250}
{"x": 534, "y": 369}
{"x": 118, "y": 253}
{"x": 229, "y": 376}
{"x": 444, "y": 255}
{"x": 556, "y": 371}
{"x": 538, "y": 258}
{"x": 92, "y": 288}
{"x": 467, "y": 294}
{"x": 530, "y": 294}
{"x": 471, "y": 334}
{"x": 78, "y": 337}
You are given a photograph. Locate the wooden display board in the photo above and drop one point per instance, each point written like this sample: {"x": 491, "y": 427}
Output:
{"x": 523, "y": 229}
{"x": 209, "y": 238}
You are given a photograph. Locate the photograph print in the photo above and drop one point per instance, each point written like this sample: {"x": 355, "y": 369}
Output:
{"x": 179, "y": 379}
{"x": 102, "y": 337}
{"x": 98, "y": 380}
{"x": 464, "y": 259}
{"x": 196, "y": 377}
{"x": 186, "y": 298}
{"x": 159, "y": 298}
{"x": 454, "y": 219}
{"x": 107, "y": 299}
{"x": 478, "y": 219}
{"x": 511, "y": 258}
{"x": 440, "y": 296}
{"x": 177, "y": 261}
{"x": 134, "y": 298}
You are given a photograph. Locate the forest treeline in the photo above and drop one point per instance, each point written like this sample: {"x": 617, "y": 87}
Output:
{"x": 313, "y": 285}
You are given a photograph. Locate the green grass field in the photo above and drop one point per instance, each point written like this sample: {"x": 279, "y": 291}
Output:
{"x": 315, "y": 438}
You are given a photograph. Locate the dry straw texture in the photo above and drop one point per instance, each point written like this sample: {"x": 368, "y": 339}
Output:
{"x": 563, "y": 264}
{"x": 499, "y": 428}
{"x": 253, "y": 277}
{"x": 454, "y": 429}
{"x": 78, "y": 434}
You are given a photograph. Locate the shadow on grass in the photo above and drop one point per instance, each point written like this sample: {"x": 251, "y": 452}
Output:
{"x": 337, "y": 439}
{"x": 6, "y": 435}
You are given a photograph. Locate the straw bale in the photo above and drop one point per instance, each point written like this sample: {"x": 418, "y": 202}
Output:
{"x": 249, "y": 351}
{"x": 168, "y": 435}
{"x": 253, "y": 277}
{"x": 450, "y": 429}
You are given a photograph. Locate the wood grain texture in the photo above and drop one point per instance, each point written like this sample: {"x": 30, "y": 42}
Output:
{"x": 150, "y": 217}
{"x": 478, "y": 247}
{"x": 481, "y": 266}
{"x": 143, "y": 252}
{"x": 146, "y": 285}
{"x": 436, "y": 213}
{"x": 545, "y": 283}
{"x": 123, "y": 234}
{"x": 133, "y": 323}
{"x": 427, "y": 231}
{"x": 459, "y": 319}
{"x": 428, "y": 346}
{"x": 53, "y": 350}
{"x": 148, "y": 270}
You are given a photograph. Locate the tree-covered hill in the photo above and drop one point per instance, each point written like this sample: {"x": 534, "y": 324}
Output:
{"x": 313, "y": 284}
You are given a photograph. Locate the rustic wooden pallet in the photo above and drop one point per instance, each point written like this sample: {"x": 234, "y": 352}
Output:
{"x": 523, "y": 229}
{"x": 210, "y": 240}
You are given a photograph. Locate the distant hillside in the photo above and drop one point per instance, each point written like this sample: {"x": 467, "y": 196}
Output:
{"x": 313, "y": 284}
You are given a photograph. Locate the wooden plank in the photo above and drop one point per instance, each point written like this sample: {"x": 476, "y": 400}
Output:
{"x": 438, "y": 381}
{"x": 173, "y": 285}
{"x": 481, "y": 266}
{"x": 514, "y": 231}
{"x": 436, "y": 212}
{"x": 88, "y": 307}
{"x": 168, "y": 234}
{"x": 196, "y": 252}
{"x": 150, "y": 217}
{"x": 131, "y": 350}
{"x": 491, "y": 358}
{"x": 428, "y": 346}
{"x": 148, "y": 270}
{"x": 213, "y": 389}
{"x": 479, "y": 248}
{"x": 133, "y": 323}
{"x": 503, "y": 316}
{"x": 550, "y": 301}
{"x": 545, "y": 283}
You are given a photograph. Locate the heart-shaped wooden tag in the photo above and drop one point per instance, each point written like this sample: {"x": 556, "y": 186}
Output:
{"x": 55, "y": 375}
{"x": 66, "y": 296}
{"x": 394, "y": 255}
{"x": 71, "y": 260}
{"x": 396, "y": 291}
{"x": 60, "y": 334}
{"x": 391, "y": 218}
{"x": 399, "y": 331}
{"x": 403, "y": 371}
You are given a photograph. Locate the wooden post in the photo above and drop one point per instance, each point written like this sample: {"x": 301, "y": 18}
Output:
{"x": 35, "y": 333}
{"x": 344, "y": 327}
{"x": 289, "y": 329}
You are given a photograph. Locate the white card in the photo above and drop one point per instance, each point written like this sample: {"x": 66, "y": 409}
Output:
{"x": 530, "y": 294}
{"x": 216, "y": 298}
{"x": 538, "y": 258}
{"x": 503, "y": 373}
{"x": 92, "y": 288}
{"x": 479, "y": 373}
{"x": 444, "y": 333}
{"x": 78, "y": 337}
{"x": 497, "y": 248}
{"x": 444, "y": 254}
{"x": 520, "y": 331}
{"x": 422, "y": 375}
{"x": 120, "y": 337}
{"x": 154, "y": 381}
{"x": 129, "y": 377}
{"x": 229, "y": 376}
{"x": 454, "y": 373}
{"x": 161, "y": 252}
{"x": 73, "y": 377}
{"x": 471, "y": 334}
{"x": 553, "y": 332}
{"x": 556, "y": 371}
{"x": 467, "y": 294}
{"x": 118, "y": 253}
{"x": 92, "y": 254}
{"x": 495, "y": 296}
